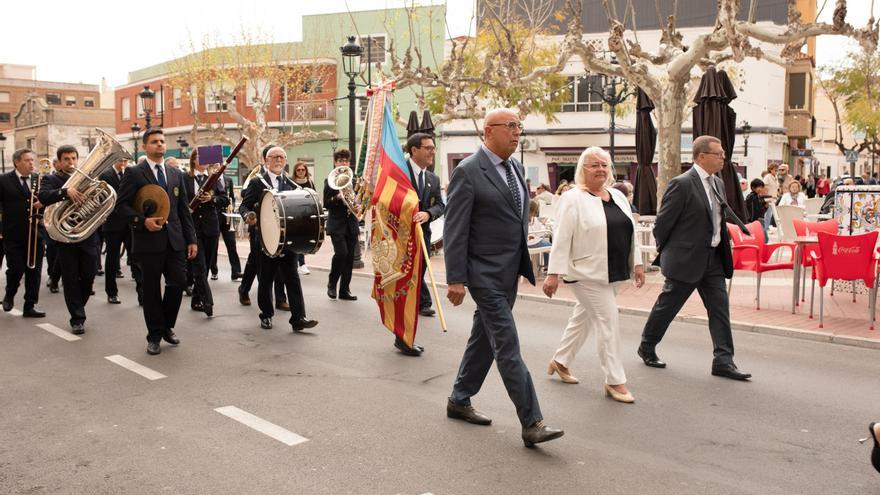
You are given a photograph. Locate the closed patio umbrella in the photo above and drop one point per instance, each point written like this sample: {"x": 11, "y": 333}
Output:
{"x": 646, "y": 142}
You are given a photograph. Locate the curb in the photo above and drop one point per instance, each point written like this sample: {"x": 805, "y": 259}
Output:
{"x": 742, "y": 326}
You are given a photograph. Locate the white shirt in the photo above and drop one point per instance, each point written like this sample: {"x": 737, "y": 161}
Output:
{"x": 705, "y": 177}
{"x": 273, "y": 179}
{"x": 417, "y": 173}
{"x": 502, "y": 171}
{"x": 153, "y": 164}
{"x": 787, "y": 200}
{"x": 25, "y": 177}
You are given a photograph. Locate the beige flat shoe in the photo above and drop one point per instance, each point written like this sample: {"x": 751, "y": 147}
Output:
{"x": 619, "y": 397}
{"x": 562, "y": 371}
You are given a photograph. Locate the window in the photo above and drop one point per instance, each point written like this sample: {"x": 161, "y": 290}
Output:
{"x": 176, "y": 98}
{"x": 257, "y": 88}
{"x": 580, "y": 98}
{"x": 140, "y": 106}
{"x": 376, "y": 49}
{"x": 4, "y": 96}
{"x": 797, "y": 91}
{"x": 213, "y": 102}
{"x": 70, "y": 101}
{"x": 125, "y": 106}
{"x": 32, "y": 143}
{"x": 53, "y": 98}
{"x": 5, "y": 117}
{"x": 313, "y": 85}
{"x": 193, "y": 95}
{"x": 88, "y": 102}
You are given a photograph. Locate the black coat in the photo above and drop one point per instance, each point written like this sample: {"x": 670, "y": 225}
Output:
{"x": 206, "y": 216}
{"x": 14, "y": 207}
{"x": 340, "y": 220}
{"x": 178, "y": 232}
{"x": 431, "y": 199}
{"x": 53, "y": 191}
{"x": 116, "y": 222}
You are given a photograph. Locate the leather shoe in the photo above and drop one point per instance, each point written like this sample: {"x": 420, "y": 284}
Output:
{"x": 426, "y": 312}
{"x": 119, "y": 274}
{"x": 197, "y": 306}
{"x": 282, "y": 306}
{"x": 626, "y": 398}
{"x": 331, "y": 292}
{"x": 415, "y": 350}
{"x": 651, "y": 359}
{"x": 730, "y": 371}
{"x": 266, "y": 323}
{"x": 466, "y": 413}
{"x": 153, "y": 348}
{"x": 214, "y": 276}
{"x": 170, "y": 337}
{"x": 563, "y": 372}
{"x": 33, "y": 313}
{"x": 208, "y": 309}
{"x": 243, "y": 297}
{"x": 113, "y": 300}
{"x": 53, "y": 287}
{"x": 77, "y": 329}
{"x": 188, "y": 290}
{"x": 347, "y": 296}
{"x": 539, "y": 432}
{"x": 7, "y": 305}
{"x": 100, "y": 273}
{"x": 236, "y": 276}
{"x": 302, "y": 324}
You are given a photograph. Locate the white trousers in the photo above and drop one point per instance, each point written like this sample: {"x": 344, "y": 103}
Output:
{"x": 596, "y": 310}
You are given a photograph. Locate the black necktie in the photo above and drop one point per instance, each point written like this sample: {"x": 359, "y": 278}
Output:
{"x": 514, "y": 187}
{"x": 119, "y": 174}
{"x": 280, "y": 183}
{"x": 160, "y": 177}
{"x": 24, "y": 184}
{"x": 421, "y": 183}
{"x": 200, "y": 179}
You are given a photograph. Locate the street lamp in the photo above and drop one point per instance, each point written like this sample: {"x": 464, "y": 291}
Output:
{"x": 612, "y": 97}
{"x": 3, "y": 152}
{"x": 746, "y": 129}
{"x": 135, "y": 134}
{"x": 334, "y": 142}
{"x": 182, "y": 144}
{"x": 351, "y": 65}
{"x": 147, "y": 97}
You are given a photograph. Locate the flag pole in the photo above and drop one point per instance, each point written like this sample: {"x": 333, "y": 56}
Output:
{"x": 427, "y": 261}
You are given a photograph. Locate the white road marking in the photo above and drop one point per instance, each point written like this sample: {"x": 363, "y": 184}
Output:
{"x": 15, "y": 312}
{"x": 134, "y": 367}
{"x": 58, "y": 332}
{"x": 261, "y": 425}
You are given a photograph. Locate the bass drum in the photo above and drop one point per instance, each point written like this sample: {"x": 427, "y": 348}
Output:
{"x": 290, "y": 221}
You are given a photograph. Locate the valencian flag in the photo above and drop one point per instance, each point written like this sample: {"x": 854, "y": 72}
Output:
{"x": 397, "y": 255}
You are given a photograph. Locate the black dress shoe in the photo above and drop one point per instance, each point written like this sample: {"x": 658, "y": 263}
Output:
{"x": 331, "y": 292}
{"x": 347, "y": 296}
{"x": 426, "y": 312}
{"x": 33, "y": 313}
{"x": 466, "y": 413}
{"x": 283, "y": 306}
{"x": 730, "y": 371}
{"x": 77, "y": 329}
{"x": 188, "y": 290}
{"x": 153, "y": 348}
{"x": 539, "y": 432}
{"x": 236, "y": 276}
{"x": 243, "y": 298}
{"x": 197, "y": 306}
{"x": 651, "y": 359}
{"x": 214, "y": 276}
{"x": 7, "y": 305}
{"x": 113, "y": 300}
{"x": 119, "y": 274}
{"x": 100, "y": 273}
{"x": 170, "y": 337}
{"x": 53, "y": 287}
{"x": 302, "y": 324}
{"x": 208, "y": 309}
{"x": 415, "y": 350}
{"x": 266, "y": 323}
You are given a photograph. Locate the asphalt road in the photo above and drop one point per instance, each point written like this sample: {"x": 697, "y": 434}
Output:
{"x": 71, "y": 421}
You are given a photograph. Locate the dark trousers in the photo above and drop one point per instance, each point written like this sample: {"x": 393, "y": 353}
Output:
{"x": 285, "y": 266}
{"x": 98, "y": 249}
{"x": 114, "y": 242}
{"x": 16, "y": 268}
{"x": 713, "y": 291}
{"x": 160, "y": 311}
{"x": 494, "y": 338}
{"x": 343, "y": 260}
{"x": 231, "y": 251}
{"x": 199, "y": 269}
{"x": 52, "y": 268}
{"x": 78, "y": 269}
{"x": 252, "y": 271}
{"x": 425, "y": 293}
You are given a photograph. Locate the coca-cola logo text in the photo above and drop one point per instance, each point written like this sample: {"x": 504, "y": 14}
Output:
{"x": 849, "y": 250}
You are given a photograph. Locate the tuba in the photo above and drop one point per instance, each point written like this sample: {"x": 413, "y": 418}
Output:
{"x": 342, "y": 179}
{"x": 68, "y": 222}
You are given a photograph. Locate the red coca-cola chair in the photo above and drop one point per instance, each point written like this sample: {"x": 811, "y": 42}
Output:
{"x": 751, "y": 253}
{"x": 845, "y": 257}
{"x": 803, "y": 228}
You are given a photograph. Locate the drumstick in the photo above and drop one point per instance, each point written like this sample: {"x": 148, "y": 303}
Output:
{"x": 427, "y": 262}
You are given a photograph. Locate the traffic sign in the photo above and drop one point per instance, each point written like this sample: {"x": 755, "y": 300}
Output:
{"x": 852, "y": 156}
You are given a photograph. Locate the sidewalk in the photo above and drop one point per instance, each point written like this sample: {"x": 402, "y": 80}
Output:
{"x": 845, "y": 322}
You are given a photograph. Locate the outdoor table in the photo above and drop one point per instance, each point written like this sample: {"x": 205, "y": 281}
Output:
{"x": 817, "y": 217}
{"x": 799, "y": 243}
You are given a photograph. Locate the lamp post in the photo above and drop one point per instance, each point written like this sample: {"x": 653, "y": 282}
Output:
{"x": 3, "y": 152}
{"x": 612, "y": 97}
{"x": 334, "y": 142}
{"x": 351, "y": 65}
{"x": 746, "y": 129}
{"x": 135, "y": 134}
{"x": 147, "y": 97}
{"x": 182, "y": 144}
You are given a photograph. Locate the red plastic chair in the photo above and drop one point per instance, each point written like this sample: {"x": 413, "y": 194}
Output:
{"x": 842, "y": 257}
{"x": 752, "y": 254}
{"x": 803, "y": 228}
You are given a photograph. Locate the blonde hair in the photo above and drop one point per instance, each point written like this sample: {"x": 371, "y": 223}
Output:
{"x": 580, "y": 172}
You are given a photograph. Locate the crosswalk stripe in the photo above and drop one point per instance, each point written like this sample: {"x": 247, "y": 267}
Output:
{"x": 58, "y": 332}
{"x": 261, "y": 425}
{"x": 135, "y": 367}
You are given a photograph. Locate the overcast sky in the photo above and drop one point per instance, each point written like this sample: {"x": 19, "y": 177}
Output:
{"x": 83, "y": 42}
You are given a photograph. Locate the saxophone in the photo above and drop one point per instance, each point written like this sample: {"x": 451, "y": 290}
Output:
{"x": 68, "y": 222}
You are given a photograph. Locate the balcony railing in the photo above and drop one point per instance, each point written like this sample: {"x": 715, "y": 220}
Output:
{"x": 307, "y": 111}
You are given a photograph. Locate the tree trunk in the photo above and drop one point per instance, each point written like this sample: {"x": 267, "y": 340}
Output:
{"x": 670, "y": 115}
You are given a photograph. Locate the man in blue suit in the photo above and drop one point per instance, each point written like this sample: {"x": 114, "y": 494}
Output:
{"x": 485, "y": 242}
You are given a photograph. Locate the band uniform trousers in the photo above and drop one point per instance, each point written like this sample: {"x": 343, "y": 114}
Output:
{"x": 494, "y": 338}
{"x": 16, "y": 268}
{"x": 713, "y": 291}
{"x": 284, "y": 268}
{"x": 52, "y": 268}
{"x": 252, "y": 270}
{"x": 78, "y": 269}
{"x": 231, "y": 249}
{"x": 199, "y": 268}
{"x": 112, "y": 263}
{"x": 343, "y": 259}
{"x": 160, "y": 310}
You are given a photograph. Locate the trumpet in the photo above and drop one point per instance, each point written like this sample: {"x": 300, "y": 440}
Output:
{"x": 34, "y": 213}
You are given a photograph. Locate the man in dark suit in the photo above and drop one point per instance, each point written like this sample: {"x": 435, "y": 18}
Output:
{"x": 420, "y": 148}
{"x": 342, "y": 227}
{"x": 77, "y": 261}
{"x": 207, "y": 227}
{"x": 484, "y": 239}
{"x": 285, "y": 264}
{"x": 53, "y": 269}
{"x": 15, "y": 196}
{"x": 228, "y": 235}
{"x": 160, "y": 248}
{"x": 117, "y": 234}
{"x": 694, "y": 253}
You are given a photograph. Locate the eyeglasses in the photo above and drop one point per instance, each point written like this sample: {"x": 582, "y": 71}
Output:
{"x": 277, "y": 156}
{"x": 510, "y": 125}
{"x": 719, "y": 154}
{"x": 427, "y": 148}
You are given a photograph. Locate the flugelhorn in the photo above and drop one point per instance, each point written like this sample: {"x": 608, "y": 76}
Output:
{"x": 342, "y": 179}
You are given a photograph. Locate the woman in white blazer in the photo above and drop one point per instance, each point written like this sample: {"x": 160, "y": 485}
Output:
{"x": 595, "y": 247}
